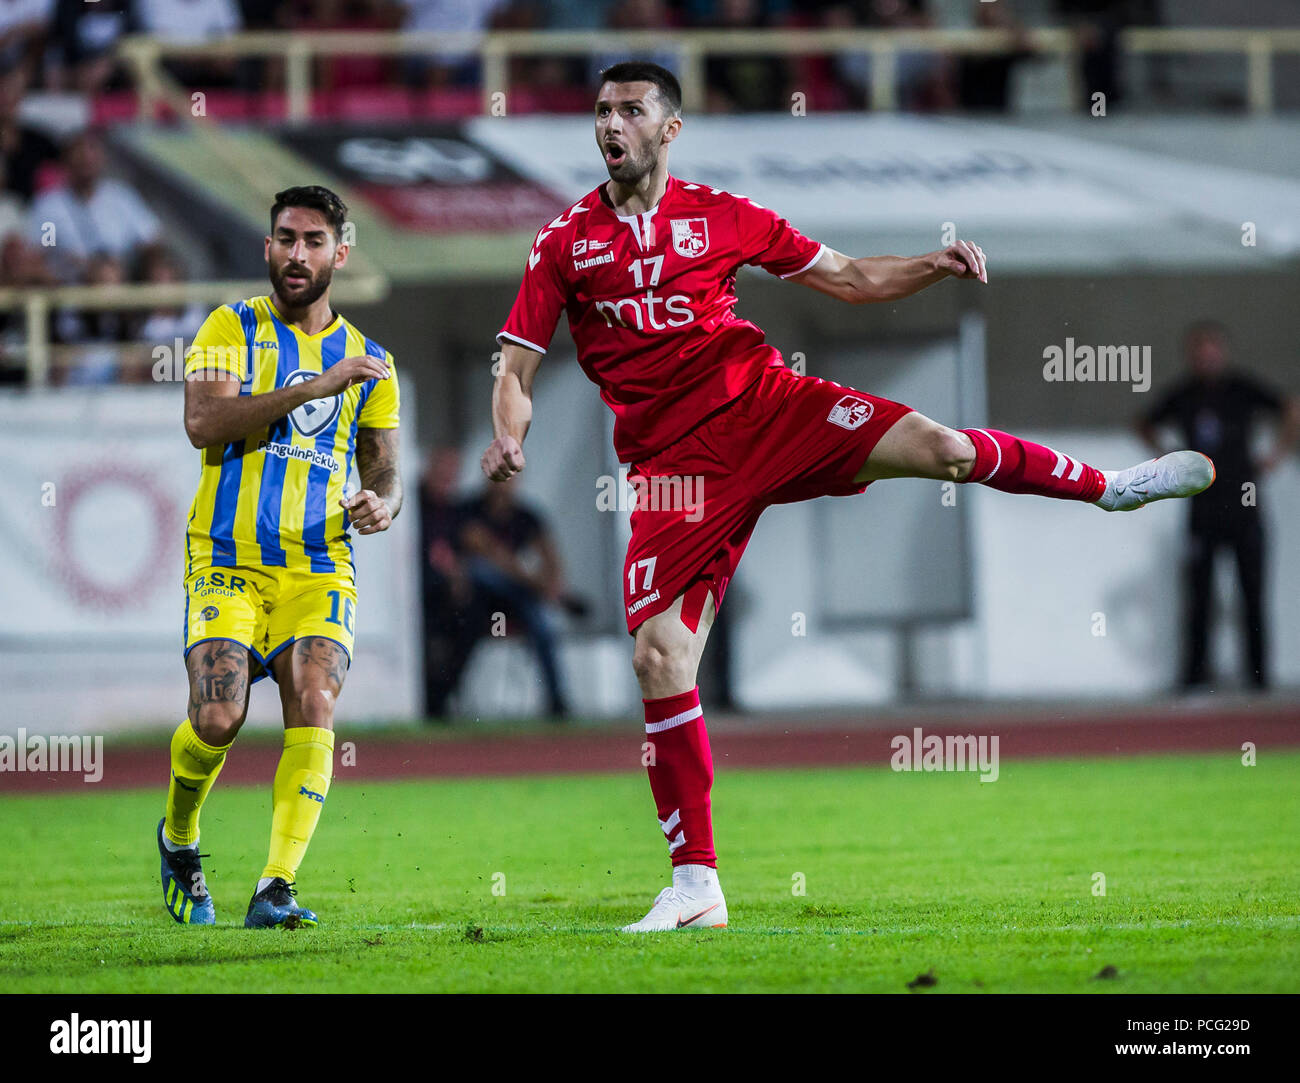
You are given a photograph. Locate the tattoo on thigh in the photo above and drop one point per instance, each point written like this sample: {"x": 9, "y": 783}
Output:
{"x": 218, "y": 673}
{"x": 325, "y": 656}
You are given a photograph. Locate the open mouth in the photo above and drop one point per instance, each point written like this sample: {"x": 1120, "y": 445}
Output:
{"x": 614, "y": 154}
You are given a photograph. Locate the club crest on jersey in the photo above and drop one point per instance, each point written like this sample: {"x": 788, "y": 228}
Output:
{"x": 690, "y": 236}
{"x": 850, "y": 412}
{"x": 315, "y": 416}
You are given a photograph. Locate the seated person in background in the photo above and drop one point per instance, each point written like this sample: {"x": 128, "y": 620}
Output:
{"x": 99, "y": 331}
{"x": 158, "y": 266}
{"x": 26, "y": 152}
{"x": 446, "y": 590}
{"x": 83, "y": 45}
{"x": 515, "y": 568}
{"x": 192, "y": 21}
{"x": 20, "y": 265}
{"x": 90, "y": 215}
{"x": 24, "y": 25}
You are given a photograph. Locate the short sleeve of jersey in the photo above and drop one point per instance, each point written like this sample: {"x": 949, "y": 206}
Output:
{"x": 540, "y": 301}
{"x": 220, "y": 344}
{"x": 383, "y": 402}
{"x": 771, "y": 242}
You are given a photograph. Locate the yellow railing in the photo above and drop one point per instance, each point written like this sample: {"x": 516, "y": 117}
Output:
{"x": 692, "y": 47}
{"x": 37, "y": 304}
{"x": 144, "y": 57}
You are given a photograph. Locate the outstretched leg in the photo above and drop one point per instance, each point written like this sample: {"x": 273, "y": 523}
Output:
{"x": 678, "y": 760}
{"x": 917, "y": 447}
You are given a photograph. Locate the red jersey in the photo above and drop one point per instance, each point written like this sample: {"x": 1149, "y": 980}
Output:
{"x": 650, "y": 298}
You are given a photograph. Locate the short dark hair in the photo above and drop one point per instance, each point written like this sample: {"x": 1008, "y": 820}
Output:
{"x": 643, "y": 71}
{"x": 317, "y": 198}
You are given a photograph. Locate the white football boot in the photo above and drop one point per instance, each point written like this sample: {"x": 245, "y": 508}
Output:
{"x": 1180, "y": 473}
{"x": 693, "y": 902}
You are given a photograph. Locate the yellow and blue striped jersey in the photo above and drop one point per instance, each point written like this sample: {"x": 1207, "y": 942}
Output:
{"x": 272, "y": 498}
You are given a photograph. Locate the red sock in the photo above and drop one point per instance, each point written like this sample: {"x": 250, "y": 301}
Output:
{"x": 1006, "y": 462}
{"x": 680, "y": 766}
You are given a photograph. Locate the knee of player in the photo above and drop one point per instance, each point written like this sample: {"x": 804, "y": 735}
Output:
{"x": 316, "y": 706}
{"x": 954, "y": 452}
{"x": 217, "y": 722}
{"x": 654, "y": 661}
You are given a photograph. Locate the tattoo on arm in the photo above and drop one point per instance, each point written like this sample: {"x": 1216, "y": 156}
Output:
{"x": 318, "y": 657}
{"x": 377, "y": 467}
{"x": 218, "y": 673}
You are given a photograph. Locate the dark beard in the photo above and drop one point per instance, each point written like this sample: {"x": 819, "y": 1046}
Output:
{"x": 318, "y": 285}
{"x": 630, "y": 170}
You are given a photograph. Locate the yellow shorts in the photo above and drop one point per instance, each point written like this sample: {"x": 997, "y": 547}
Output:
{"x": 266, "y": 609}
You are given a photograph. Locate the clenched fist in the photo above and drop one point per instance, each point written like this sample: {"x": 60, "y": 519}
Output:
{"x": 965, "y": 259}
{"x": 503, "y": 459}
{"x": 369, "y": 513}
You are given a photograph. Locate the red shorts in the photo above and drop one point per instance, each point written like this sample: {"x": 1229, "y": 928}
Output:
{"x": 786, "y": 438}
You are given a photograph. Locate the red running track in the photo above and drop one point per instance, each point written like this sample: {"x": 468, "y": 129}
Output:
{"x": 823, "y": 743}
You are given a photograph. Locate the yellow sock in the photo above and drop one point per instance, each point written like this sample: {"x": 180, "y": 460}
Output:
{"x": 195, "y": 766}
{"x": 301, "y": 782}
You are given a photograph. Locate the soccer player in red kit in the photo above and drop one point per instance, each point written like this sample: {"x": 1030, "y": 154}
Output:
{"x": 645, "y": 267}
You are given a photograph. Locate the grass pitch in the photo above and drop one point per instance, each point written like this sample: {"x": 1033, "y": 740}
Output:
{"x": 520, "y": 885}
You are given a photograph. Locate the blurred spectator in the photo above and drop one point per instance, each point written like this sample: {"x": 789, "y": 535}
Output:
{"x": 28, "y": 153}
{"x": 100, "y": 331}
{"x": 264, "y": 14}
{"x": 515, "y": 568}
{"x": 85, "y": 35}
{"x": 163, "y": 325}
{"x": 193, "y": 21}
{"x": 637, "y": 15}
{"x": 746, "y": 84}
{"x": 91, "y": 215}
{"x": 447, "y": 593}
{"x": 339, "y": 16}
{"x": 924, "y": 81}
{"x": 984, "y": 79}
{"x": 189, "y": 20}
{"x": 1215, "y": 410}
{"x": 1098, "y": 23}
{"x": 13, "y": 212}
{"x": 24, "y": 25}
{"x": 448, "y": 16}
{"x": 20, "y": 265}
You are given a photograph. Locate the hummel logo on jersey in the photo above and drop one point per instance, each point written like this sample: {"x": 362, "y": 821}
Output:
{"x": 690, "y": 236}
{"x": 850, "y": 412}
{"x": 592, "y": 261}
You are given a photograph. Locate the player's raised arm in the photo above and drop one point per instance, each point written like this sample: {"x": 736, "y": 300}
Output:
{"x": 891, "y": 278}
{"x": 512, "y": 410}
{"x": 216, "y": 413}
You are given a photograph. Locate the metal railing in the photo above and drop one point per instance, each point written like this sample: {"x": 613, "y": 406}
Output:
{"x": 144, "y": 57}
{"x": 692, "y": 48}
{"x": 36, "y": 304}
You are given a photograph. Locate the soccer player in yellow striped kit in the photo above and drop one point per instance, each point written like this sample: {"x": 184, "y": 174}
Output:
{"x": 280, "y": 393}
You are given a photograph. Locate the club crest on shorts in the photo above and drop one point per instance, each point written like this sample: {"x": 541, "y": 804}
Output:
{"x": 850, "y": 412}
{"x": 690, "y": 236}
{"x": 312, "y": 417}
{"x": 210, "y": 612}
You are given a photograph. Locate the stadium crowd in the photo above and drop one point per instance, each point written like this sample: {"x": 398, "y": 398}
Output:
{"x": 70, "y": 44}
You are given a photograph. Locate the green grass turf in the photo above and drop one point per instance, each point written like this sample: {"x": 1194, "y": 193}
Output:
{"x": 988, "y": 885}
